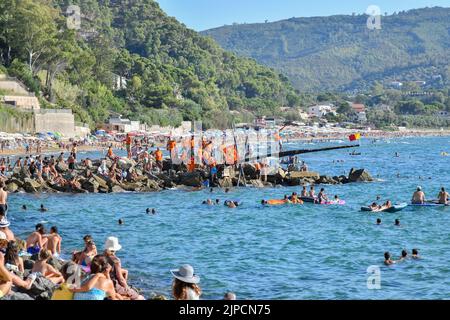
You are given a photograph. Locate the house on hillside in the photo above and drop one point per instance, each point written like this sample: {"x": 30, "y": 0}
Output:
{"x": 320, "y": 111}
{"x": 360, "y": 112}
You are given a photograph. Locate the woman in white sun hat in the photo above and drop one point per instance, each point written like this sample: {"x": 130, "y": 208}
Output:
{"x": 119, "y": 275}
{"x": 185, "y": 284}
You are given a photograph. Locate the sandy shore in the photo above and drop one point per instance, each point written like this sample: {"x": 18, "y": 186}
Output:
{"x": 21, "y": 151}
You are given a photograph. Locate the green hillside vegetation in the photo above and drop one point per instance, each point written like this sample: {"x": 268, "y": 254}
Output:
{"x": 339, "y": 53}
{"x": 172, "y": 73}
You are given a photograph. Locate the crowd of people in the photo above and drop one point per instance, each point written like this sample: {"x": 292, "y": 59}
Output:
{"x": 90, "y": 274}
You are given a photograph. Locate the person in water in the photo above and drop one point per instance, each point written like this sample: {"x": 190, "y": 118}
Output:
{"x": 397, "y": 222}
{"x": 387, "y": 259}
{"x": 42, "y": 208}
{"x": 230, "y": 204}
{"x": 443, "y": 196}
{"x": 418, "y": 196}
{"x": 24, "y": 207}
{"x": 404, "y": 255}
{"x": 120, "y": 222}
{"x": 286, "y": 199}
{"x": 415, "y": 254}
{"x": 322, "y": 197}
{"x": 295, "y": 199}
{"x": 374, "y": 206}
{"x": 304, "y": 192}
{"x": 312, "y": 193}
{"x": 378, "y": 221}
{"x": 229, "y": 296}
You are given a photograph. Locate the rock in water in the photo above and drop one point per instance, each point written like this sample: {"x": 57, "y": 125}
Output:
{"x": 91, "y": 185}
{"x": 257, "y": 183}
{"x": 117, "y": 189}
{"x": 31, "y": 186}
{"x": 12, "y": 187}
{"x": 360, "y": 175}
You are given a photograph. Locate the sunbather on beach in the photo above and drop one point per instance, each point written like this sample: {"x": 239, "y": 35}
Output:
{"x": 43, "y": 268}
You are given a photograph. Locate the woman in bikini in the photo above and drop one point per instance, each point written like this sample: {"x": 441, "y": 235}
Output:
{"x": 98, "y": 285}
{"x": 86, "y": 256}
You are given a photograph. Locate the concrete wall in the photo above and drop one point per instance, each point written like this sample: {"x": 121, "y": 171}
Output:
{"x": 12, "y": 86}
{"x": 23, "y": 102}
{"x": 82, "y": 132}
{"x": 62, "y": 121}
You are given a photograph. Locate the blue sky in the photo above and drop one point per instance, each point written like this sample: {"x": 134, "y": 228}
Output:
{"x": 205, "y": 14}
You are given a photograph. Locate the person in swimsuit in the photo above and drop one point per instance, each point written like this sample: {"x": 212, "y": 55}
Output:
{"x": 322, "y": 197}
{"x": 42, "y": 267}
{"x": 418, "y": 196}
{"x": 36, "y": 241}
{"x": 5, "y": 278}
{"x": 54, "y": 242}
{"x": 312, "y": 193}
{"x": 304, "y": 192}
{"x": 86, "y": 256}
{"x": 3, "y": 198}
{"x": 98, "y": 286}
{"x": 443, "y": 196}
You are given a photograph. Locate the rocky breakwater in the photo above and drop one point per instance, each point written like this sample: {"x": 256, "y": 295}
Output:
{"x": 296, "y": 178}
{"x": 128, "y": 176}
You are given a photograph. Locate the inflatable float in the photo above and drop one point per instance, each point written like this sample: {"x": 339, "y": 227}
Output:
{"x": 394, "y": 208}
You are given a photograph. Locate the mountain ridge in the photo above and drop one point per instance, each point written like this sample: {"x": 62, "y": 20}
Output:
{"x": 334, "y": 52}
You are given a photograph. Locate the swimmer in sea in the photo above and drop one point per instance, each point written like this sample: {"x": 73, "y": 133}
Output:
{"x": 322, "y": 197}
{"x": 415, "y": 254}
{"x": 397, "y": 222}
{"x": 374, "y": 206}
{"x": 42, "y": 208}
{"x": 404, "y": 255}
{"x": 209, "y": 202}
{"x": 120, "y": 222}
{"x": 230, "y": 204}
{"x": 387, "y": 259}
{"x": 378, "y": 221}
{"x": 24, "y": 207}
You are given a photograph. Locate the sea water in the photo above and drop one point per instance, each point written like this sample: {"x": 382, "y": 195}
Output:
{"x": 289, "y": 252}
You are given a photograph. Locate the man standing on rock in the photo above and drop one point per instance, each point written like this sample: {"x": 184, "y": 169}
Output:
{"x": 3, "y": 198}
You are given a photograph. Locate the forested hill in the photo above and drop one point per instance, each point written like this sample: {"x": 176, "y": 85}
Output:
{"x": 341, "y": 53}
{"x": 172, "y": 73}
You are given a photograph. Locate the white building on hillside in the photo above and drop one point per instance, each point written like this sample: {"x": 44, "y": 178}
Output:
{"x": 320, "y": 110}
